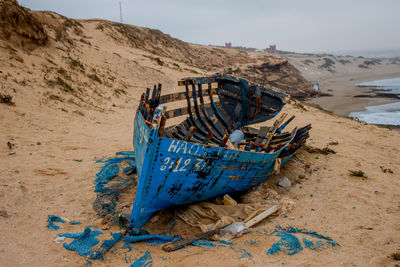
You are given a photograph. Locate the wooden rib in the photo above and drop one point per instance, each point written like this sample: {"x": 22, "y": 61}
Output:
{"x": 203, "y": 110}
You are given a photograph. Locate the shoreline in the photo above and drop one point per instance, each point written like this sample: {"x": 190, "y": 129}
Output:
{"x": 345, "y": 94}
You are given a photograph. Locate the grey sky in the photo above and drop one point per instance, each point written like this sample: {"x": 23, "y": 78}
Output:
{"x": 295, "y": 25}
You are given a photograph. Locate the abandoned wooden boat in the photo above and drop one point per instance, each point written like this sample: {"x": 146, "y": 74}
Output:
{"x": 212, "y": 151}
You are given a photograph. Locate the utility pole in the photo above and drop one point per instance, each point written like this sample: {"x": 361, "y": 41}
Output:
{"x": 120, "y": 11}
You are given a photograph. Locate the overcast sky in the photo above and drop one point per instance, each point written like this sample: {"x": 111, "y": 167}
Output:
{"x": 294, "y": 25}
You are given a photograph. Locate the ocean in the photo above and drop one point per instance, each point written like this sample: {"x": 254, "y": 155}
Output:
{"x": 387, "y": 114}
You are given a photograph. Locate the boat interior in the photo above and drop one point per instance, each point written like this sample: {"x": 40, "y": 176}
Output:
{"x": 218, "y": 111}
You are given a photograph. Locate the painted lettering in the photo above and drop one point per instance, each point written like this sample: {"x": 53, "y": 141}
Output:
{"x": 198, "y": 164}
{"x": 184, "y": 165}
{"x": 184, "y": 146}
{"x": 173, "y": 146}
{"x": 192, "y": 151}
{"x": 165, "y": 163}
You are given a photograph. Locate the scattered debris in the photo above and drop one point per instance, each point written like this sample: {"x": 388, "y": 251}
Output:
{"x": 395, "y": 256}
{"x": 235, "y": 229}
{"x": 229, "y": 201}
{"x": 6, "y": 99}
{"x": 59, "y": 239}
{"x": 10, "y": 145}
{"x": 4, "y": 213}
{"x": 302, "y": 176}
{"x": 178, "y": 244}
{"x": 324, "y": 151}
{"x": 284, "y": 182}
{"x": 239, "y": 228}
{"x": 385, "y": 170}
{"x": 333, "y": 143}
{"x": 227, "y": 232}
{"x": 358, "y": 173}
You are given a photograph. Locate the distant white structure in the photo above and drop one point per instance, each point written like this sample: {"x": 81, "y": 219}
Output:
{"x": 316, "y": 86}
{"x": 120, "y": 11}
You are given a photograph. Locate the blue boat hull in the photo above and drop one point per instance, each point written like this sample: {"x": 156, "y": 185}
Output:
{"x": 174, "y": 172}
{"x": 213, "y": 151}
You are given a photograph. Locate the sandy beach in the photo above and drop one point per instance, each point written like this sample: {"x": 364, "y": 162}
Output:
{"x": 340, "y": 81}
{"x": 74, "y": 95}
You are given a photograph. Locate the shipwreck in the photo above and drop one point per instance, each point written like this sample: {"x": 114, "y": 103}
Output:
{"x": 211, "y": 151}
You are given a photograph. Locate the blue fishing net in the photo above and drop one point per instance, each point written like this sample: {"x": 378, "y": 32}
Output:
{"x": 115, "y": 177}
{"x": 83, "y": 242}
{"x": 106, "y": 245}
{"x": 144, "y": 261}
{"x": 153, "y": 239}
{"x": 203, "y": 243}
{"x": 51, "y": 219}
{"x": 111, "y": 170}
{"x": 310, "y": 233}
{"x": 290, "y": 244}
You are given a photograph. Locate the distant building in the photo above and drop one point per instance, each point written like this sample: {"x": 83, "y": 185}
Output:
{"x": 272, "y": 49}
{"x": 228, "y": 45}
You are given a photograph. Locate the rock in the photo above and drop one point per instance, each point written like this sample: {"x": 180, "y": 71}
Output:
{"x": 284, "y": 182}
{"x": 10, "y": 145}
{"x": 302, "y": 176}
{"x": 4, "y": 213}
